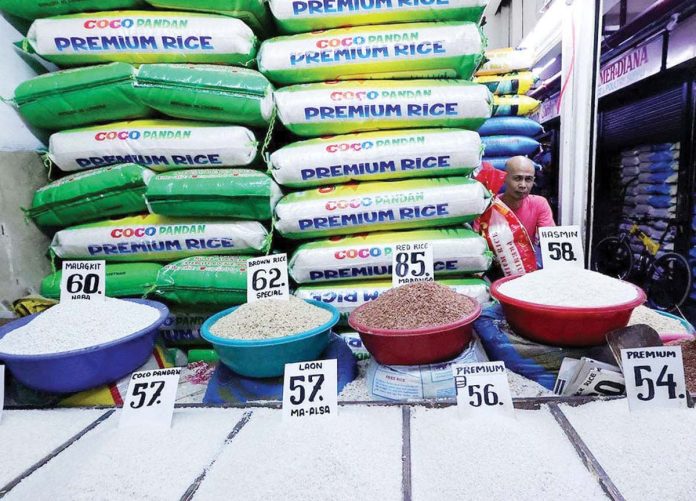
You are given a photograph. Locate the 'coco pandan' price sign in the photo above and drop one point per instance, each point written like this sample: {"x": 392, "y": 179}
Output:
{"x": 267, "y": 277}
{"x": 482, "y": 389}
{"x": 561, "y": 246}
{"x": 654, "y": 377}
{"x": 310, "y": 390}
{"x": 412, "y": 262}
{"x": 83, "y": 281}
{"x": 150, "y": 398}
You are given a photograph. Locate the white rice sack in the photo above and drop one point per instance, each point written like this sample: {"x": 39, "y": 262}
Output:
{"x": 431, "y": 50}
{"x": 506, "y": 60}
{"x": 159, "y": 144}
{"x": 363, "y": 105}
{"x": 347, "y": 296}
{"x": 455, "y": 251}
{"x": 300, "y": 16}
{"x": 133, "y": 36}
{"x": 356, "y": 207}
{"x": 373, "y": 156}
{"x": 158, "y": 238}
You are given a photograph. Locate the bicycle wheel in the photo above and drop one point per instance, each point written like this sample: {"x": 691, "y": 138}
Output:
{"x": 669, "y": 281}
{"x": 612, "y": 256}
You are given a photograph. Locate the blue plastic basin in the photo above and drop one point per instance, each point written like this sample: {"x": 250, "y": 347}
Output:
{"x": 267, "y": 357}
{"x": 87, "y": 368}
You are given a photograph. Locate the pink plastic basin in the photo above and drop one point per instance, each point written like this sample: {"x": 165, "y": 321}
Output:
{"x": 563, "y": 325}
{"x": 420, "y": 346}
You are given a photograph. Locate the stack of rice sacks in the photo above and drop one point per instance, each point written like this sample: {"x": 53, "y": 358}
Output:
{"x": 509, "y": 132}
{"x": 649, "y": 174}
{"x": 385, "y": 144}
{"x": 156, "y": 121}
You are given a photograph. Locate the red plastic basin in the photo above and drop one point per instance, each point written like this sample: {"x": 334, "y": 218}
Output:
{"x": 420, "y": 346}
{"x": 563, "y": 325}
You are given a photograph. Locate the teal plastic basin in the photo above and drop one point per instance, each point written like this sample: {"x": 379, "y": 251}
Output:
{"x": 267, "y": 357}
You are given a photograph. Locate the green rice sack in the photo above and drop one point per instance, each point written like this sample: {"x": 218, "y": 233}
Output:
{"x": 347, "y": 296}
{"x": 229, "y": 193}
{"x": 142, "y": 37}
{"x": 206, "y": 92}
{"x": 299, "y": 16}
{"x": 506, "y": 106}
{"x": 510, "y": 83}
{"x": 204, "y": 280}
{"x": 182, "y": 328}
{"x": 320, "y": 109}
{"x": 157, "y": 238}
{"x": 376, "y": 156}
{"x": 418, "y": 50}
{"x": 161, "y": 145}
{"x": 253, "y": 12}
{"x": 91, "y": 195}
{"x": 357, "y": 207}
{"x": 369, "y": 255}
{"x": 122, "y": 280}
{"x": 73, "y": 98}
{"x": 35, "y": 9}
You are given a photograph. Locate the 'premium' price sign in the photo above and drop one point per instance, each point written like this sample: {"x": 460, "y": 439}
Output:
{"x": 654, "y": 377}
{"x": 310, "y": 389}
{"x": 150, "y": 398}
{"x": 267, "y": 277}
{"x": 412, "y": 262}
{"x": 561, "y": 246}
{"x": 482, "y": 389}
{"x": 83, "y": 281}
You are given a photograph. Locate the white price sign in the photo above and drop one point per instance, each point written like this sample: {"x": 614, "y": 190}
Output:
{"x": 482, "y": 389}
{"x": 83, "y": 280}
{"x": 412, "y": 262}
{"x": 267, "y": 277}
{"x": 150, "y": 398}
{"x": 2, "y": 389}
{"x": 310, "y": 389}
{"x": 561, "y": 246}
{"x": 654, "y": 377}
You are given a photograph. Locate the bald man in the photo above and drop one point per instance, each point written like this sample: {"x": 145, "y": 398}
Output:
{"x": 533, "y": 211}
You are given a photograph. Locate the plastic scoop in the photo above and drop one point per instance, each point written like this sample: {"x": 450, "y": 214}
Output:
{"x": 633, "y": 336}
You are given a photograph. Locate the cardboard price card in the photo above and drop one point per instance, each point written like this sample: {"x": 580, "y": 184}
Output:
{"x": 83, "y": 281}
{"x": 654, "y": 377}
{"x": 150, "y": 398}
{"x": 310, "y": 390}
{"x": 267, "y": 277}
{"x": 412, "y": 262}
{"x": 561, "y": 246}
{"x": 482, "y": 389}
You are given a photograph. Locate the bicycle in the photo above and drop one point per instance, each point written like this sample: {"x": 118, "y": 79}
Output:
{"x": 666, "y": 279}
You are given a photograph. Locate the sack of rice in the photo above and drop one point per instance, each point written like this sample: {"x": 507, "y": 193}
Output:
{"x": 133, "y": 36}
{"x": 347, "y": 296}
{"x": 91, "y": 195}
{"x": 204, "y": 280}
{"x": 122, "y": 280}
{"x": 506, "y": 60}
{"x": 356, "y": 207}
{"x": 510, "y": 83}
{"x": 433, "y": 50}
{"x": 35, "y": 9}
{"x": 509, "y": 146}
{"x": 300, "y": 16}
{"x": 157, "y": 238}
{"x": 182, "y": 328}
{"x": 505, "y": 106}
{"x": 159, "y": 144}
{"x": 227, "y": 193}
{"x": 369, "y": 255}
{"x": 253, "y": 12}
{"x": 72, "y": 98}
{"x": 206, "y": 92}
{"x": 510, "y": 126}
{"x": 376, "y": 156}
{"x": 364, "y": 105}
